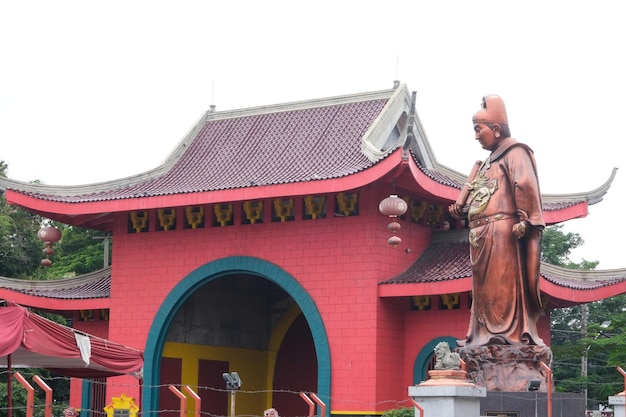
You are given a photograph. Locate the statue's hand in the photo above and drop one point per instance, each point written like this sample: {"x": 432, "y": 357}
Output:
{"x": 519, "y": 229}
{"x": 456, "y": 211}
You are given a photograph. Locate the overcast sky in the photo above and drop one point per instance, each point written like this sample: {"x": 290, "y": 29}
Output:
{"x": 92, "y": 90}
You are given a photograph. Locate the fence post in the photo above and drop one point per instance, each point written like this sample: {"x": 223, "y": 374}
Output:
{"x": 198, "y": 400}
{"x": 48, "y": 391}
{"x": 30, "y": 399}
{"x": 310, "y": 403}
{"x": 183, "y": 400}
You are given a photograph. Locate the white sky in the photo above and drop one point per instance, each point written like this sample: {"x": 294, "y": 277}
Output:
{"x": 93, "y": 90}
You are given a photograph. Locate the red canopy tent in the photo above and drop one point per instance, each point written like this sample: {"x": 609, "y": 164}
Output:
{"x": 28, "y": 340}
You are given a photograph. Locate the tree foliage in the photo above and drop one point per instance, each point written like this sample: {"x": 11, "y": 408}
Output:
{"x": 580, "y": 333}
{"x": 80, "y": 250}
{"x": 556, "y": 247}
{"x": 60, "y": 392}
{"x": 19, "y": 247}
{"x": 400, "y": 412}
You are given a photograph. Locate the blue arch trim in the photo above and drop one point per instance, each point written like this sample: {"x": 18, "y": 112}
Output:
{"x": 420, "y": 366}
{"x": 201, "y": 276}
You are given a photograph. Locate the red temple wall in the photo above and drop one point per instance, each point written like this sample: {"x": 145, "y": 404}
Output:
{"x": 339, "y": 262}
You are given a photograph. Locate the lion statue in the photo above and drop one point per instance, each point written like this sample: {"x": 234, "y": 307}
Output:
{"x": 446, "y": 359}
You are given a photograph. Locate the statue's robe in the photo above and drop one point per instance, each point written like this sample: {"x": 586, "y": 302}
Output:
{"x": 506, "y": 300}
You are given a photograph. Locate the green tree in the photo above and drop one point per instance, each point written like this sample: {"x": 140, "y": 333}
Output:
{"x": 20, "y": 250}
{"x": 19, "y": 395}
{"x": 578, "y": 334}
{"x": 556, "y": 247}
{"x": 80, "y": 251}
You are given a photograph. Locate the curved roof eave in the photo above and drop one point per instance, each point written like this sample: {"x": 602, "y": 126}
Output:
{"x": 582, "y": 286}
{"x": 557, "y": 207}
{"x": 84, "y": 292}
{"x": 570, "y": 293}
{"x": 353, "y": 181}
{"x": 591, "y": 197}
{"x": 444, "y": 267}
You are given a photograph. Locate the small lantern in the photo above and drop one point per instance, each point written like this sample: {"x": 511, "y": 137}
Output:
{"x": 393, "y": 227}
{"x": 394, "y": 241}
{"x": 48, "y": 235}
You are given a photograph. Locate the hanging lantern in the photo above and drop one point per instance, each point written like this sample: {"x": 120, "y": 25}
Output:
{"x": 393, "y": 206}
{"x": 393, "y": 227}
{"x": 394, "y": 241}
{"x": 48, "y": 235}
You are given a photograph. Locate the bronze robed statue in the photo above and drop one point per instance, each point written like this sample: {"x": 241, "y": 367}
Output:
{"x": 501, "y": 204}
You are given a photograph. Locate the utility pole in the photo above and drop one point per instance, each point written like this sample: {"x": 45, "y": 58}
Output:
{"x": 105, "y": 239}
{"x": 584, "y": 311}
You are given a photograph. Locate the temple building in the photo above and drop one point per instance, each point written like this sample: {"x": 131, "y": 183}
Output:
{"x": 259, "y": 247}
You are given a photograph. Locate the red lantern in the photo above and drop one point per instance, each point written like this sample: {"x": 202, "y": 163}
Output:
{"x": 49, "y": 234}
{"x": 394, "y": 241}
{"x": 393, "y": 206}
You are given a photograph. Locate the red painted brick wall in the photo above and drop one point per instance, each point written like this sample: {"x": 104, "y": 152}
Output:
{"x": 338, "y": 260}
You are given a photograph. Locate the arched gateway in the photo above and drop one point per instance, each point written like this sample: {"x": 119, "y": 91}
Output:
{"x": 239, "y": 269}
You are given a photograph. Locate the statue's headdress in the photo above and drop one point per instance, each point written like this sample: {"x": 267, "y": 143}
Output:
{"x": 493, "y": 111}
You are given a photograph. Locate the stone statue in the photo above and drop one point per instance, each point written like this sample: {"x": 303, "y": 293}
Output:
{"x": 501, "y": 203}
{"x": 270, "y": 412}
{"x": 445, "y": 359}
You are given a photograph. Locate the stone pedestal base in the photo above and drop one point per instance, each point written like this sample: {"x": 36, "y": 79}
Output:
{"x": 506, "y": 367}
{"x": 618, "y": 403}
{"x": 448, "y": 394}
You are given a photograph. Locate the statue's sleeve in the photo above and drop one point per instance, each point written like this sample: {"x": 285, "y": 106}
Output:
{"x": 522, "y": 174}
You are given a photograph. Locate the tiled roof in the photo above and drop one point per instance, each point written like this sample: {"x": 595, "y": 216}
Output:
{"x": 447, "y": 258}
{"x": 262, "y": 148}
{"x": 93, "y": 285}
{"x": 280, "y": 144}
{"x": 443, "y": 260}
{"x": 581, "y": 279}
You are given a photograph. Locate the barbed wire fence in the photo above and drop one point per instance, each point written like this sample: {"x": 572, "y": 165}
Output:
{"x": 19, "y": 406}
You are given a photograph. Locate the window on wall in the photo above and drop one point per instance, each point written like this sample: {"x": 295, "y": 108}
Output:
{"x": 283, "y": 210}
{"x": 346, "y": 204}
{"x": 138, "y": 221}
{"x": 223, "y": 214}
{"x": 314, "y": 207}
{"x": 252, "y": 212}
{"x": 166, "y": 219}
{"x": 194, "y": 217}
